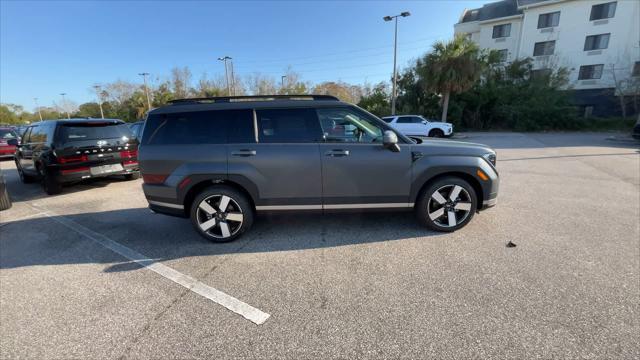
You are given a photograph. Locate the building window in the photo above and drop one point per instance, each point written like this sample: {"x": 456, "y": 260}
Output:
{"x": 501, "y": 31}
{"x": 603, "y": 11}
{"x": 548, "y": 20}
{"x": 540, "y": 73}
{"x": 544, "y": 48}
{"x": 590, "y": 72}
{"x": 502, "y": 55}
{"x": 636, "y": 69}
{"x": 596, "y": 42}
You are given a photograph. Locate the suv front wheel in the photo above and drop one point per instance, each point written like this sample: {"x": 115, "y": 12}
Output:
{"x": 221, "y": 213}
{"x": 447, "y": 204}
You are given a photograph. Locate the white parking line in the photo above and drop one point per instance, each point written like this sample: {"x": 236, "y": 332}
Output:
{"x": 247, "y": 311}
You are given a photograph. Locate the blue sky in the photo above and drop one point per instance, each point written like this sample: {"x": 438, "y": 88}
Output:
{"x": 67, "y": 46}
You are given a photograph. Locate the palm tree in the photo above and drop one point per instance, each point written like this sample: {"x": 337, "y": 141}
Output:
{"x": 452, "y": 67}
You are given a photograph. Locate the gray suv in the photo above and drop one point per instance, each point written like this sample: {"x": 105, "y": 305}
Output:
{"x": 221, "y": 160}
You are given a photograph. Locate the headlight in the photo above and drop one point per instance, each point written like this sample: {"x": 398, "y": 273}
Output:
{"x": 490, "y": 157}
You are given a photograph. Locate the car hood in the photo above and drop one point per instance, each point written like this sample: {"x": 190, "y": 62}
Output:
{"x": 440, "y": 123}
{"x": 448, "y": 147}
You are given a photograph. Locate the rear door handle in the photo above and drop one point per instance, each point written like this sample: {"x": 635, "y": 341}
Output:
{"x": 337, "y": 153}
{"x": 244, "y": 152}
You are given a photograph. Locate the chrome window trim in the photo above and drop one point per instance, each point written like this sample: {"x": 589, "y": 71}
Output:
{"x": 335, "y": 206}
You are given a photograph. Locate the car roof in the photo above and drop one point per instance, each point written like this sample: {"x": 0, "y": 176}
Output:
{"x": 79, "y": 121}
{"x": 249, "y": 102}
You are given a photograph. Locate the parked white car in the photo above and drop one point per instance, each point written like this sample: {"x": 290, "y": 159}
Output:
{"x": 416, "y": 125}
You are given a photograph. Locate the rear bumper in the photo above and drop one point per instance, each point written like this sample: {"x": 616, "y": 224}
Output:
{"x": 64, "y": 176}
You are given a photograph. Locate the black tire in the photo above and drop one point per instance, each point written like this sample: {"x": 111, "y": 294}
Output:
{"x": 49, "y": 184}
{"x": 26, "y": 179}
{"x": 429, "y": 204}
{"x": 132, "y": 176}
{"x": 437, "y": 133}
{"x": 238, "y": 205}
{"x": 5, "y": 200}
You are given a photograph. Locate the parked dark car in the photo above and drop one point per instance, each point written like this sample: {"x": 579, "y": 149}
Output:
{"x": 66, "y": 151}
{"x": 7, "y": 147}
{"x": 5, "y": 200}
{"x": 219, "y": 160}
{"x": 136, "y": 129}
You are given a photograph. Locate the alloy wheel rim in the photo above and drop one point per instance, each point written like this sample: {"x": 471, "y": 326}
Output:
{"x": 219, "y": 216}
{"x": 449, "y": 206}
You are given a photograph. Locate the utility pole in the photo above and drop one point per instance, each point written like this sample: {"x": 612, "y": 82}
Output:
{"x": 395, "y": 52}
{"x": 282, "y": 83}
{"x": 146, "y": 88}
{"x": 98, "y": 92}
{"x": 64, "y": 105}
{"x": 38, "y": 108}
{"x": 226, "y": 73}
{"x": 233, "y": 80}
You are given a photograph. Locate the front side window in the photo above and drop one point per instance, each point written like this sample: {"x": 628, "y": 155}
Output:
{"x": 405, "y": 120}
{"x": 590, "y": 72}
{"x": 548, "y": 20}
{"x": 349, "y": 125}
{"x": 603, "y": 11}
{"x": 38, "y": 134}
{"x": 288, "y": 126}
{"x": 501, "y": 31}
{"x": 544, "y": 48}
{"x": 596, "y": 42}
{"x": 26, "y": 136}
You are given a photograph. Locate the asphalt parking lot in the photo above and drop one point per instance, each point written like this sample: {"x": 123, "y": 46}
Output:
{"x": 365, "y": 285}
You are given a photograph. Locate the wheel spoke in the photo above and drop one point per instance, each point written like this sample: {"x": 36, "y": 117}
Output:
{"x": 455, "y": 192}
{"x": 436, "y": 214}
{"x": 224, "y": 202}
{"x": 205, "y": 226}
{"x": 451, "y": 216}
{"x": 234, "y": 216}
{"x": 438, "y": 198}
{"x": 466, "y": 206}
{"x": 224, "y": 227}
{"x": 207, "y": 208}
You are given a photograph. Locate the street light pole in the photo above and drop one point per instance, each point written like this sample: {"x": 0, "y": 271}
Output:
{"x": 146, "y": 88}
{"x": 395, "y": 53}
{"x": 38, "y": 108}
{"x": 226, "y": 73}
{"x": 97, "y": 87}
{"x": 64, "y": 104}
{"x": 282, "y": 83}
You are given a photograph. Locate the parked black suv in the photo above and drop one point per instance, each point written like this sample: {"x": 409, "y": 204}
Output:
{"x": 66, "y": 151}
{"x": 219, "y": 160}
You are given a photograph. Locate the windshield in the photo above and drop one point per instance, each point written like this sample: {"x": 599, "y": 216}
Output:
{"x": 7, "y": 134}
{"x": 93, "y": 131}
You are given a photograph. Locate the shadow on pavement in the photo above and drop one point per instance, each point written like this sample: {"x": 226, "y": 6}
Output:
{"x": 43, "y": 241}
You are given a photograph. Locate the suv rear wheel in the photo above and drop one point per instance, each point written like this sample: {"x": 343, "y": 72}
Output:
{"x": 50, "y": 185}
{"x": 447, "y": 204}
{"x": 221, "y": 213}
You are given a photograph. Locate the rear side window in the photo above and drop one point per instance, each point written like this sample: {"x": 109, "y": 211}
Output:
{"x": 288, "y": 126}
{"x": 199, "y": 127}
{"x": 92, "y": 131}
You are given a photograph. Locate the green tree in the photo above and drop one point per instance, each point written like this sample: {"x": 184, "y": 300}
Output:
{"x": 452, "y": 67}
{"x": 376, "y": 99}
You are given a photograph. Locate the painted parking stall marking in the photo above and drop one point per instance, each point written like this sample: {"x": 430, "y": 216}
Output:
{"x": 243, "y": 309}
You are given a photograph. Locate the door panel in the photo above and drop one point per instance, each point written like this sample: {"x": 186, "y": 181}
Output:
{"x": 368, "y": 174}
{"x": 283, "y": 174}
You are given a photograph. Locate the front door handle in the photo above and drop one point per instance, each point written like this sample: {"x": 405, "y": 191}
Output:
{"x": 337, "y": 153}
{"x": 244, "y": 153}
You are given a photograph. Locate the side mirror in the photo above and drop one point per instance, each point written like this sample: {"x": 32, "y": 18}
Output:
{"x": 12, "y": 142}
{"x": 390, "y": 141}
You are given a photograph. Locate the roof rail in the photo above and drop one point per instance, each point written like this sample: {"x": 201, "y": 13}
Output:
{"x": 227, "y": 99}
